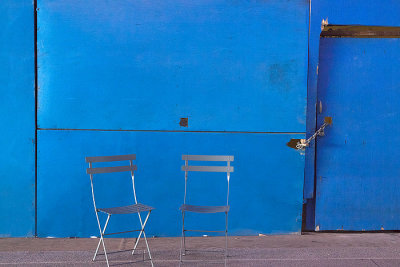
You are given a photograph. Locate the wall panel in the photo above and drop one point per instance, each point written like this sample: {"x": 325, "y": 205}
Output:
{"x": 17, "y": 76}
{"x": 266, "y": 187}
{"x": 140, "y": 65}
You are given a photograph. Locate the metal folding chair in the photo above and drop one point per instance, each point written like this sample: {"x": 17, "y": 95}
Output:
{"x": 134, "y": 208}
{"x": 228, "y": 169}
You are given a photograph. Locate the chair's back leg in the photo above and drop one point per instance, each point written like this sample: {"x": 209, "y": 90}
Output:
{"x": 183, "y": 243}
{"x": 143, "y": 225}
{"x": 226, "y": 213}
{"x": 141, "y": 230}
{"x": 183, "y": 240}
{"x": 148, "y": 249}
{"x": 226, "y": 236}
{"x": 133, "y": 182}
{"x": 184, "y": 235}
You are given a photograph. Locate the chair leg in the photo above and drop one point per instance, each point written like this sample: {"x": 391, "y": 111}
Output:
{"x": 141, "y": 231}
{"x": 148, "y": 249}
{"x": 102, "y": 238}
{"x": 143, "y": 225}
{"x": 183, "y": 243}
{"x": 97, "y": 249}
{"x": 226, "y": 237}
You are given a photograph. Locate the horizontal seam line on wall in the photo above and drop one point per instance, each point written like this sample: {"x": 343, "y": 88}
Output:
{"x": 167, "y": 131}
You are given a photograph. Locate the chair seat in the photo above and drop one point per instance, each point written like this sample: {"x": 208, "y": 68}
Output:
{"x": 127, "y": 209}
{"x": 204, "y": 209}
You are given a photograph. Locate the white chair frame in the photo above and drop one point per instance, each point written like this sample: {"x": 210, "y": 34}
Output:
{"x": 205, "y": 209}
{"x": 135, "y": 208}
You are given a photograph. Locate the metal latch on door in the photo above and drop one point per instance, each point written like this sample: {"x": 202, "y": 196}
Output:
{"x": 301, "y": 144}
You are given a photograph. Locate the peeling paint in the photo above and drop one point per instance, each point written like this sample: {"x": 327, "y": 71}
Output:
{"x": 324, "y": 23}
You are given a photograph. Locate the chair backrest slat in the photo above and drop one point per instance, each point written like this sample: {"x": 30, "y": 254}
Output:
{"x": 110, "y": 158}
{"x": 111, "y": 169}
{"x": 207, "y": 168}
{"x": 207, "y": 158}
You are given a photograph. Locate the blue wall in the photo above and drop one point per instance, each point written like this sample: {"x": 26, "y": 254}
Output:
{"x": 17, "y": 142}
{"x": 116, "y": 78}
{"x": 112, "y": 73}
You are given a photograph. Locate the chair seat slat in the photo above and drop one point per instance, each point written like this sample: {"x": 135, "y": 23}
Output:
{"x": 204, "y": 209}
{"x": 127, "y": 209}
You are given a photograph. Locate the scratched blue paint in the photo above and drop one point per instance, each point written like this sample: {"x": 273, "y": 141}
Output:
{"x": 266, "y": 185}
{"x": 143, "y": 65}
{"x": 17, "y": 168}
{"x": 341, "y": 12}
{"x": 358, "y": 159}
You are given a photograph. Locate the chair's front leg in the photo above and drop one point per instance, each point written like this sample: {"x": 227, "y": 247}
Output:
{"x": 97, "y": 249}
{"x": 101, "y": 238}
{"x": 141, "y": 230}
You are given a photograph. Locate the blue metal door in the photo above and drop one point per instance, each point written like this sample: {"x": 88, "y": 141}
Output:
{"x": 358, "y": 159}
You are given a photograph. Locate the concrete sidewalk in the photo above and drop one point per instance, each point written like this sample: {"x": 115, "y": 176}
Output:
{"x": 316, "y": 249}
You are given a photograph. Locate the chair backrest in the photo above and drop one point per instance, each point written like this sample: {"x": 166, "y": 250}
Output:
{"x": 98, "y": 170}
{"x": 103, "y": 159}
{"x": 228, "y": 169}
